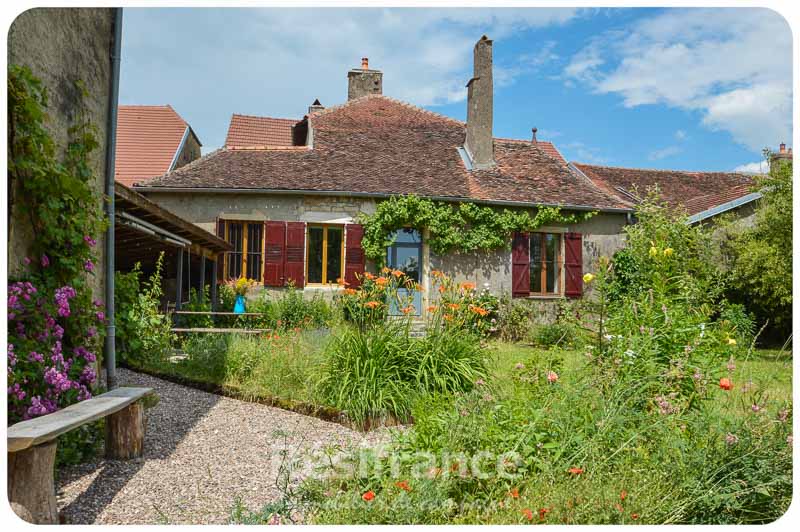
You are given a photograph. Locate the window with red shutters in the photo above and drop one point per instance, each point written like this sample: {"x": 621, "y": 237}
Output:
{"x": 294, "y": 267}
{"x": 520, "y": 265}
{"x": 354, "y": 260}
{"x": 573, "y": 264}
{"x": 274, "y": 248}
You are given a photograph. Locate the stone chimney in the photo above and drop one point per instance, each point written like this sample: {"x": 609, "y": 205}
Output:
{"x": 782, "y": 156}
{"x": 480, "y": 102}
{"x": 315, "y": 107}
{"x": 363, "y": 81}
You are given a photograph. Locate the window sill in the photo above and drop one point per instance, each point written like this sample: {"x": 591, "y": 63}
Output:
{"x": 323, "y": 287}
{"x": 545, "y": 296}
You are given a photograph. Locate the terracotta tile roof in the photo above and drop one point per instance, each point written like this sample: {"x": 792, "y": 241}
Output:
{"x": 378, "y": 145}
{"x": 548, "y": 147}
{"x": 148, "y": 136}
{"x": 695, "y": 191}
{"x": 247, "y": 131}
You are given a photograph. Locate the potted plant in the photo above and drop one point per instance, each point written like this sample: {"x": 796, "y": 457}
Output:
{"x": 240, "y": 287}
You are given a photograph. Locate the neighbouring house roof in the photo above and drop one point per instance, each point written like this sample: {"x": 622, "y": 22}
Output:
{"x": 249, "y": 131}
{"x": 149, "y": 140}
{"x": 375, "y": 145}
{"x": 696, "y": 192}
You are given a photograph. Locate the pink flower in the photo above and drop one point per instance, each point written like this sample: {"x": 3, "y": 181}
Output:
{"x": 519, "y": 365}
{"x": 101, "y": 316}
{"x": 88, "y": 266}
{"x": 731, "y": 439}
{"x": 45, "y": 261}
{"x": 89, "y": 240}
{"x": 552, "y": 376}
{"x": 26, "y": 261}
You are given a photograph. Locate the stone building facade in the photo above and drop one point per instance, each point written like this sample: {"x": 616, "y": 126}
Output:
{"x": 61, "y": 47}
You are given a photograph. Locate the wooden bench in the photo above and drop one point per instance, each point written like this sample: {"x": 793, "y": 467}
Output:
{"x": 219, "y": 331}
{"x": 32, "y": 447}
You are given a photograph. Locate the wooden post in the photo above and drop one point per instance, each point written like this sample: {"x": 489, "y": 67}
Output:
{"x": 125, "y": 433}
{"x": 214, "y": 273}
{"x": 31, "y": 483}
{"x": 202, "y": 277}
{"x": 179, "y": 281}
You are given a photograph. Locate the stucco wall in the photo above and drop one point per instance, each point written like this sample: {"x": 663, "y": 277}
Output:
{"x": 190, "y": 151}
{"x": 62, "y": 46}
{"x": 492, "y": 269}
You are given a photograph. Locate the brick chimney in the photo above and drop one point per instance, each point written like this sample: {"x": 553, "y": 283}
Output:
{"x": 782, "y": 156}
{"x": 480, "y": 102}
{"x": 363, "y": 81}
{"x": 315, "y": 107}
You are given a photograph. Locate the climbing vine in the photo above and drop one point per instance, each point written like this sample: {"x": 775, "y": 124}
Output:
{"x": 55, "y": 328}
{"x": 459, "y": 227}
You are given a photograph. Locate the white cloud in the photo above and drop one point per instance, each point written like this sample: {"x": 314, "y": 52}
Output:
{"x": 680, "y": 135}
{"x": 759, "y": 167}
{"x": 580, "y": 151}
{"x": 664, "y": 153}
{"x": 733, "y": 66}
{"x": 210, "y": 63}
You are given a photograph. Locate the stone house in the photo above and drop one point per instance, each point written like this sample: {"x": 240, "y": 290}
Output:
{"x": 287, "y": 194}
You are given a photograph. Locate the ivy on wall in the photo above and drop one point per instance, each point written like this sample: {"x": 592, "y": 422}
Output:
{"x": 461, "y": 227}
{"x": 57, "y": 197}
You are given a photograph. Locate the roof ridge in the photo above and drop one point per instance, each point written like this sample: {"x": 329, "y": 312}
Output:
{"x": 660, "y": 169}
{"x": 267, "y": 117}
{"x": 187, "y": 166}
{"x": 417, "y": 108}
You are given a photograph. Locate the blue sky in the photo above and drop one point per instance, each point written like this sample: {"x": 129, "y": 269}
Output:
{"x": 694, "y": 89}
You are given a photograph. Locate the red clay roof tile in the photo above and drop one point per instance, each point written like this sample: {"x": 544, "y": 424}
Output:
{"x": 148, "y": 136}
{"x": 694, "y": 191}
{"x": 378, "y": 145}
{"x": 247, "y": 131}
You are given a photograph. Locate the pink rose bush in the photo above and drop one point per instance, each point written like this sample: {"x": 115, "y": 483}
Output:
{"x": 52, "y": 344}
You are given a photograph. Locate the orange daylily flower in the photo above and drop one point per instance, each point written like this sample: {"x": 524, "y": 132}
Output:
{"x": 385, "y": 269}
{"x": 514, "y": 493}
{"x": 350, "y": 291}
{"x": 468, "y": 286}
{"x": 432, "y": 308}
{"x": 368, "y": 275}
{"x": 441, "y": 289}
{"x": 372, "y": 304}
{"x": 398, "y": 273}
{"x": 478, "y": 310}
{"x": 528, "y": 514}
{"x": 448, "y": 317}
{"x": 543, "y": 513}
{"x": 454, "y": 306}
{"x": 381, "y": 281}
{"x": 408, "y": 310}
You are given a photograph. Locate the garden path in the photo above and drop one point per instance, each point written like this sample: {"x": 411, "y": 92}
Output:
{"x": 202, "y": 452}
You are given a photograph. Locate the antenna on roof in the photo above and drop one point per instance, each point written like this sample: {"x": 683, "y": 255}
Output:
{"x": 533, "y": 140}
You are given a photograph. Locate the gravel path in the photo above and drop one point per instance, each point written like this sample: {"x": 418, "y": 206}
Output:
{"x": 202, "y": 452}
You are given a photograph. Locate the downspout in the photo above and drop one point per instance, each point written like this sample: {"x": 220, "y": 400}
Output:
{"x": 111, "y": 147}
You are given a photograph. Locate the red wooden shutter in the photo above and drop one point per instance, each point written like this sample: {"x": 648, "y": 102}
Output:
{"x": 274, "y": 246}
{"x": 294, "y": 266}
{"x": 354, "y": 260}
{"x": 520, "y": 265}
{"x": 573, "y": 264}
{"x": 221, "y": 256}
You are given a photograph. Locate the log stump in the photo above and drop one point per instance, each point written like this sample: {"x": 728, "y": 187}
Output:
{"x": 31, "y": 483}
{"x": 125, "y": 433}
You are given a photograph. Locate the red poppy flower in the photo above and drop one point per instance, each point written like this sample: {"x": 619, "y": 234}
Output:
{"x": 575, "y": 470}
{"x": 542, "y": 513}
{"x": 725, "y": 383}
{"x": 368, "y": 496}
{"x": 514, "y": 493}
{"x": 528, "y": 514}
{"x": 622, "y": 495}
{"x": 403, "y": 485}
{"x": 634, "y": 516}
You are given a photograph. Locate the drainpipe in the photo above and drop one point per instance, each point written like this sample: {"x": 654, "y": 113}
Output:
{"x": 111, "y": 147}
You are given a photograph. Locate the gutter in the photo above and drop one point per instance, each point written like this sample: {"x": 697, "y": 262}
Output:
{"x": 110, "y": 347}
{"x": 719, "y": 209}
{"x": 300, "y": 192}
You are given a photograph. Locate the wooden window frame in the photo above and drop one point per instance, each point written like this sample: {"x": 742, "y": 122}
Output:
{"x": 325, "y": 280}
{"x": 559, "y": 264}
{"x": 244, "y": 252}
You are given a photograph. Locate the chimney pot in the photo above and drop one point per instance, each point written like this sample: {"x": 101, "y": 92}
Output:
{"x": 315, "y": 107}
{"x": 534, "y": 135}
{"x": 363, "y": 81}
{"x": 783, "y": 147}
{"x": 365, "y": 63}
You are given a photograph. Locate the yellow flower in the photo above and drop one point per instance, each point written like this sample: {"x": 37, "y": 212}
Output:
{"x": 588, "y": 278}
{"x": 731, "y": 341}
{"x": 653, "y": 251}
{"x": 668, "y": 252}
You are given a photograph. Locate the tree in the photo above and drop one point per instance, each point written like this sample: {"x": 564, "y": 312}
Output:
{"x": 760, "y": 256}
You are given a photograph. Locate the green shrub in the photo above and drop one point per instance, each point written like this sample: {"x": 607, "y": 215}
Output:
{"x": 515, "y": 320}
{"x": 145, "y": 333}
{"x": 554, "y": 335}
{"x": 445, "y": 361}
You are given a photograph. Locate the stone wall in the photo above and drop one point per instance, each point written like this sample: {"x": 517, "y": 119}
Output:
{"x": 62, "y": 46}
